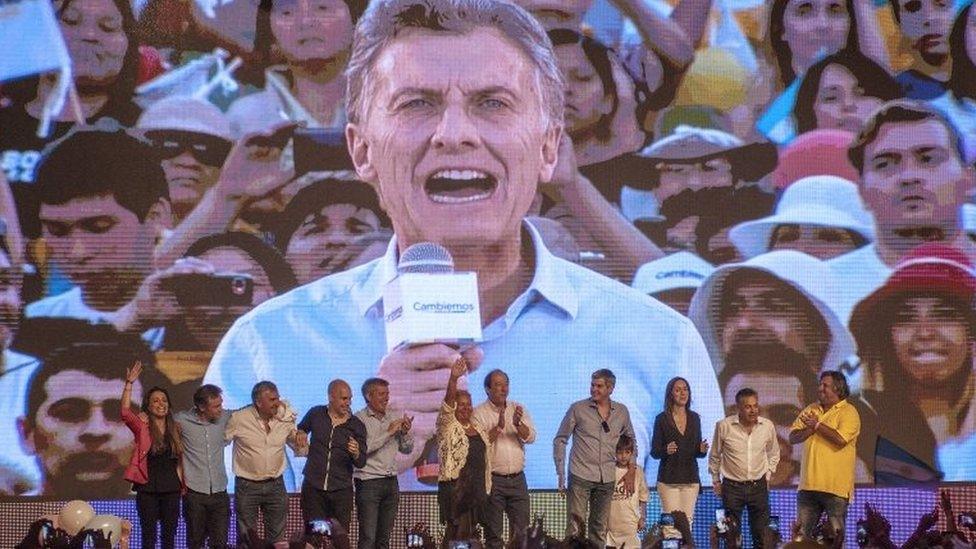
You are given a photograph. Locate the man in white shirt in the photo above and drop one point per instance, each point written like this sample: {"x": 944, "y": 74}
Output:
{"x": 510, "y": 427}
{"x": 914, "y": 180}
{"x": 101, "y": 218}
{"x": 260, "y": 433}
{"x": 743, "y": 458}
{"x": 457, "y": 139}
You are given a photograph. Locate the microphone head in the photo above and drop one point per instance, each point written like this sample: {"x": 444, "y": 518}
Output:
{"x": 426, "y": 258}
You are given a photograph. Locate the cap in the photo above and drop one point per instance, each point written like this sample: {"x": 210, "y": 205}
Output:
{"x": 822, "y": 200}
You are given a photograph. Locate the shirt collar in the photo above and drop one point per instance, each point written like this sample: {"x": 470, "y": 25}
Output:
{"x": 550, "y": 281}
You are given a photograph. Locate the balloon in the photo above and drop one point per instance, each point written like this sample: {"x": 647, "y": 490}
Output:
{"x": 75, "y": 515}
{"x": 108, "y": 524}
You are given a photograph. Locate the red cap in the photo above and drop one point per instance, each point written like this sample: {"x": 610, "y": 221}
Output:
{"x": 817, "y": 152}
{"x": 931, "y": 267}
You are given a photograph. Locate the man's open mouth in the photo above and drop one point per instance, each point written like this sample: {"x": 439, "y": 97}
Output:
{"x": 460, "y": 186}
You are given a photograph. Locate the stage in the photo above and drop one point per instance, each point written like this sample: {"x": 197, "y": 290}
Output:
{"x": 902, "y": 507}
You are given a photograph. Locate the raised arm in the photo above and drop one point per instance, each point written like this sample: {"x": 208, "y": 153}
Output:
{"x": 666, "y": 36}
{"x": 131, "y": 375}
{"x": 458, "y": 369}
{"x": 869, "y": 37}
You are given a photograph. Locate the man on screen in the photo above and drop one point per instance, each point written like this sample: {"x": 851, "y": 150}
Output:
{"x": 455, "y": 111}
{"x": 914, "y": 180}
{"x": 104, "y": 203}
{"x": 73, "y": 423}
{"x": 772, "y": 306}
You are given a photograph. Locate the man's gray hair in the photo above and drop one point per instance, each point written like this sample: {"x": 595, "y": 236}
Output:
{"x": 261, "y": 387}
{"x": 385, "y": 19}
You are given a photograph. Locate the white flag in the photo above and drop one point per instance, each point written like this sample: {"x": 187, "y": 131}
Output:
{"x": 38, "y": 46}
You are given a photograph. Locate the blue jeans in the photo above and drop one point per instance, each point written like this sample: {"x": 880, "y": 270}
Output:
{"x": 810, "y": 505}
{"x": 377, "y": 500}
{"x": 596, "y": 496}
{"x": 267, "y": 495}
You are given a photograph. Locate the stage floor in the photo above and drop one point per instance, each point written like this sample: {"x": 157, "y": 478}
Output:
{"x": 902, "y": 507}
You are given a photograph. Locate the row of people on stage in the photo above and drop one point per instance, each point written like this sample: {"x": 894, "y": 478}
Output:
{"x": 481, "y": 460}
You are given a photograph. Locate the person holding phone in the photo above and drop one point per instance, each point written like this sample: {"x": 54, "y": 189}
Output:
{"x": 678, "y": 443}
{"x": 744, "y": 456}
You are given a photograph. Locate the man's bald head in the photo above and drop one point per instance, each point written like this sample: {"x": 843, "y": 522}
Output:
{"x": 340, "y": 397}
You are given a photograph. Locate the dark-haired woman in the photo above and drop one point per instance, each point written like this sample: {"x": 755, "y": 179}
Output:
{"x": 959, "y": 103}
{"x": 677, "y": 442}
{"x": 314, "y": 39}
{"x": 801, "y": 31}
{"x": 155, "y": 468}
{"x": 104, "y": 50}
{"x": 841, "y": 91}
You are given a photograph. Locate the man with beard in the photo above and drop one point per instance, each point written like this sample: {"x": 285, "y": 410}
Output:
{"x": 101, "y": 218}
{"x": 72, "y": 422}
{"x": 699, "y": 220}
{"x": 925, "y": 25}
{"x": 913, "y": 181}
{"x": 765, "y": 308}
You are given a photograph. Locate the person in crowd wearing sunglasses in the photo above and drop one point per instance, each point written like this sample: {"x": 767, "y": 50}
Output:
{"x": 595, "y": 424}
{"x": 72, "y": 422}
{"x": 192, "y": 138}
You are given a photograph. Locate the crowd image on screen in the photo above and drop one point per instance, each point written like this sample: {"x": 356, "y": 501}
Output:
{"x": 742, "y": 194}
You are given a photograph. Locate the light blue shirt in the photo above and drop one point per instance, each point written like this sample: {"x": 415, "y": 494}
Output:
{"x": 570, "y": 322}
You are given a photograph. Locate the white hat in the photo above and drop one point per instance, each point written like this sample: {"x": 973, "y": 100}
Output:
{"x": 821, "y": 200}
{"x": 186, "y": 114}
{"x": 804, "y": 273}
{"x": 678, "y": 270}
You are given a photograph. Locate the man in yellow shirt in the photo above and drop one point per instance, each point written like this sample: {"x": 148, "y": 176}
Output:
{"x": 828, "y": 430}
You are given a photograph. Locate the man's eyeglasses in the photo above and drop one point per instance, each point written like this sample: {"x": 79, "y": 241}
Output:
{"x": 207, "y": 149}
{"x": 79, "y": 410}
{"x": 605, "y": 425}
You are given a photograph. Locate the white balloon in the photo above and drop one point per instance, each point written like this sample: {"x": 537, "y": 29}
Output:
{"x": 108, "y": 524}
{"x": 75, "y": 515}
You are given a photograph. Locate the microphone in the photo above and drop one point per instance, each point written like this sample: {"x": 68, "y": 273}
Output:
{"x": 428, "y": 302}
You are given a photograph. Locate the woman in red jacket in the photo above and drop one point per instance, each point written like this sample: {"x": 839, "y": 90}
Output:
{"x": 154, "y": 469}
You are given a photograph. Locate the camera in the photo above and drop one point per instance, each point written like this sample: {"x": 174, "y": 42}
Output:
{"x": 774, "y": 523}
{"x": 415, "y": 540}
{"x": 319, "y": 527}
{"x": 214, "y": 290}
{"x": 670, "y": 543}
{"x": 460, "y": 544}
{"x": 721, "y": 526}
{"x": 667, "y": 519}
{"x": 966, "y": 520}
{"x": 862, "y": 535}
{"x": 320, "y": 150}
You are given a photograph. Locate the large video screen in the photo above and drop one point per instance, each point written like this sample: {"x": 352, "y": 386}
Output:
{"x": 741, "y": 194}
